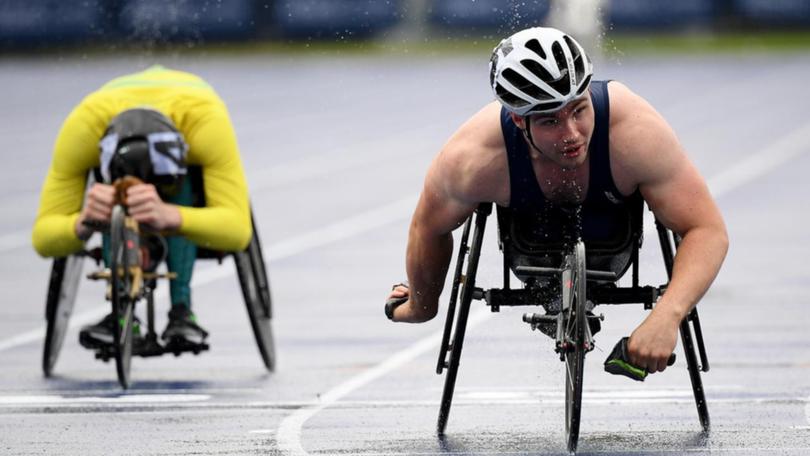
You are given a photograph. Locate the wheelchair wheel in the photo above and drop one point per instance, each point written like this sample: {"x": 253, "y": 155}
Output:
{"x": 121, "y": 282}
{"x": 255, "y": 289}
{"x": 260, "y": 272}
{"x": 63, "y": 286}
{"x": 574, "y": 284}
{"x": 467, "y": 290}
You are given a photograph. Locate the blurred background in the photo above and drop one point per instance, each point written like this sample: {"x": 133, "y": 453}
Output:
{"x": 111, "y": 24}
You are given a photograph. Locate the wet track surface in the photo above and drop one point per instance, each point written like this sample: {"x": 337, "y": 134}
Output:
{"x": 335, "y": 149}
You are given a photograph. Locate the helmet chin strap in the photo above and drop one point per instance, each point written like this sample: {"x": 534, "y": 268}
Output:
{"x": 527, "y": 132}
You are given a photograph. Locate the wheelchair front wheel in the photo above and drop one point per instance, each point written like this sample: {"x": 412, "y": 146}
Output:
{"x": 63, "y": 286}
{"x": 255, "y": 290}
{"x": 574, "y": 282}
{"x": 121, "y": 283}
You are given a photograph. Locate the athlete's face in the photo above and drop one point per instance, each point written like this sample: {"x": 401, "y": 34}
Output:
{"x": 563, "y": 136}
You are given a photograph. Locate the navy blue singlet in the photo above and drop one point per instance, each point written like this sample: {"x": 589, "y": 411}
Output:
{"x": 605, "y": 214}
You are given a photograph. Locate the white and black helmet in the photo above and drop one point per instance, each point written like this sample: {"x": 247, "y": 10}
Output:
{"x": 538, "y": 70}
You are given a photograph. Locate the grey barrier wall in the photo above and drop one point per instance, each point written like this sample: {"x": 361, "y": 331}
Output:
{"x": 59, "y": 22}
{"x": 32, "y": 21}
{"x": 330, "y": 19}
{"x": 781, "y": 12}
{"x": 488, "y": 13}
{"x": 162, "y": 19}
{"x": 623, "y": 14}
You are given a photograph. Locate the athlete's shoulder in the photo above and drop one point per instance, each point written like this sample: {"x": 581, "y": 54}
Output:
{"x": 474, "y": 160}
{"x": 158, "y": 76}
{"x": 625, "y": 104}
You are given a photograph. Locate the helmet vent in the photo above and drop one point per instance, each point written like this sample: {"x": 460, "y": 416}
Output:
{"x": 563, "y": 84}
{"x": 525, "y": 86}
{"x": 584, "y": 85}
{"x": 535, "y": 47}
{"x": 537, "y": 70}
{"x": 509, "y": 98}
{"x": 579, "y": 59}
{"x": 493, "y": 67}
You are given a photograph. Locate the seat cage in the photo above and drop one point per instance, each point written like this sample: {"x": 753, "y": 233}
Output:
{"x": 522, "y": 247}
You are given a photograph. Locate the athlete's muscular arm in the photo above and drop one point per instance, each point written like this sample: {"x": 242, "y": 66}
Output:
{"x": 224, "y": 222}
{"x": 652, "y": 156}
{"x": 466, "y": 172}
{"x": 430, "y": 244}
{"x": 58, "y": 229}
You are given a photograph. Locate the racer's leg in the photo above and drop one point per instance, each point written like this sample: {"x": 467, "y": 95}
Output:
{"x": 182, "y": 254}
{"x": 180, "y": 260}
{"x": 183, "y": 332}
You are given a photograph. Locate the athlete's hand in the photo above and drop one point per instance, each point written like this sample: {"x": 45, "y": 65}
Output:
{"x": 145, "y": 206}
{"x": 98, "y": 205}
{"x": 398, "y": 296}
{"x": 652, "y": 343}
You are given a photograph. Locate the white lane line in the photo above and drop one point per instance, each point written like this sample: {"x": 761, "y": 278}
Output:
{"x": 203, "y": 401}
{"x": 343, "y": 229}
{"x": 807, "y": 410}
{"x": 350, "y": 156}
{"x": 124, "y": 399}
{"x": 725, "y": 450}
{"x": 753, "y": 166}
{"x": 289, "y": 432}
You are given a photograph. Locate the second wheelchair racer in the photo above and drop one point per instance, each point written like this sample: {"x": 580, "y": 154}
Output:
{"x": 151, "y": 125}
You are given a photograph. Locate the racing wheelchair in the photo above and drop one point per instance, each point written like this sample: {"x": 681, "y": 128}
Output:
{"x": 130, "y": 280}
{"x": 567, "y": 278}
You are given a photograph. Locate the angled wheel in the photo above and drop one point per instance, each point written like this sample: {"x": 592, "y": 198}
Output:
{"x": 574, "y": 299}
{"x": 256, "y": 290}
{"x": 63, "y": 286}
{"x": 121, "y": 283}
{"x": 669, "y": 243}
{"x": 467, "y": 290}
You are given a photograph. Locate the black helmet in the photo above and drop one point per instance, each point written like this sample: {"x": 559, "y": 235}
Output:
{"x": 144, "y": 143}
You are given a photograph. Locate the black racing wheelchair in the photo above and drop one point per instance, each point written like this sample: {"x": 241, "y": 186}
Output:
{"x": 567, "y": 278}
{"x": 132, "y": 277}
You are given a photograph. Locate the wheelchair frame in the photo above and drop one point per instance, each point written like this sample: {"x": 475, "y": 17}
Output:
{"x": 603, "y": 291}
{"x": 66, "y": 273}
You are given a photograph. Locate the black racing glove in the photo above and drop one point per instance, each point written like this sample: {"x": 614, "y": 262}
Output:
{"x": 393, "y": 303}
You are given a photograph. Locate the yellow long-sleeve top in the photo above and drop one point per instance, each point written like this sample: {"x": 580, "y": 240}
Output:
{"x": 202, "y": 118}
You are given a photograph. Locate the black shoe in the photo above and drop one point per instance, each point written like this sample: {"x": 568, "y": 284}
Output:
{"x": 100, "y": 335}
{"x": 183, "y": 333}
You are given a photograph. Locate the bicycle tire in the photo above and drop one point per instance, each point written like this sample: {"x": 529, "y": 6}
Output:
{"x": 259, "y": 318}
{"x": 63, "y": 286}
{"x": 122, "y": 304}
{"x": 575, "y": 353}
